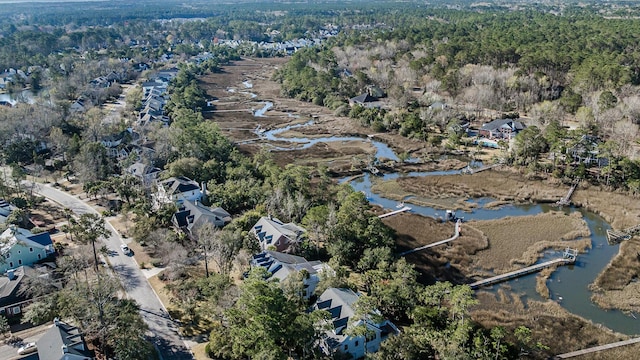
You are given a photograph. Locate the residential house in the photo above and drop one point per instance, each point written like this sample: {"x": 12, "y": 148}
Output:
{"x": 192, "y": 215}
{"x": 177, "y": 190}
{"x": 339, "y": 303}
{"x": 142, "y": 66}
{"x": 13, "y": 299}
{"x": 5, "y": 210}
{"x": 273, "y": 234}
{"x": 501, "y": 129}
{"x": 21, "y": 247}
{"x": 114, "y": 140}
{"x": 586, "y": 151}
{"x": 438, "y": 106}
{"x": 363, "y": 99}
{"x": 147, "y": 174}
{"x": 150, "y": 85}
{"x": 154, "y": 103}
{"x": 280, "y": 266}
{"x": 80, "y": 105}
{"x": 100, "y": 83}
{"x": 63, "y": 342}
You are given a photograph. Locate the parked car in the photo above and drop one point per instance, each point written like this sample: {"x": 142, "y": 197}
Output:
{"x": 28, "y": 348}
{"x": 125, "y": 249}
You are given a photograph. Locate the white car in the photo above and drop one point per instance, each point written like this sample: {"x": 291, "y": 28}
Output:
{"x": 27, "y": 349}
{"x": 125, "y": 249}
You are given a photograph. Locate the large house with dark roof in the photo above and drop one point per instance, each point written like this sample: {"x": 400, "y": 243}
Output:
{"x": 63, "y": 342}
{"x": 12, "y": 300}
{"x": 280, "y": 266}
{"x": 177, "y": 190}
{"x": 339, "y": 303}
{"x": 501, "y": 129}
{"x": 21, "y": 247}
{"x": 273, "y": 234}
{"x": 192, "y": 214}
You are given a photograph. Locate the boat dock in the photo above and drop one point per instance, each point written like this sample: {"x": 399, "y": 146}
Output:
{"x": 470, "y": 171}
{"x": 569, "y": 257}
{"x": 567, "y": 199}
{"x": 615, "y": 237}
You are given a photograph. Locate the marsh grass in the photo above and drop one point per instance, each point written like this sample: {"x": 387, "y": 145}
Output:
{"x": 521, "y": 240}
{"x": 551, "y": 324}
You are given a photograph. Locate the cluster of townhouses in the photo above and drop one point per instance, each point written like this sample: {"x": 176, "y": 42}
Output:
{"x": 155, "y": 96}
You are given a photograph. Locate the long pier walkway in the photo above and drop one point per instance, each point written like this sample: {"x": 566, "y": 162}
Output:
{"x": 406, "y": 208}
{"x": 455, "y": 236}
{"x": 569, "y": 257}
{"x": 597, "y": 348}
{"x": 470, "y": 171}
{"x": 567, "y": 199}
{"x": 614, "y": 237}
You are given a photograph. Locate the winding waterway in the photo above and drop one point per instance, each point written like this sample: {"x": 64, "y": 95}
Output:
{"x": 568, "y": 284}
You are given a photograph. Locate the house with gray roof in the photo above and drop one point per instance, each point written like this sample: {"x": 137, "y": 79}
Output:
{"x": 281, "y": 266}
{"x": 192, "y": 215}
{"x": 362, "y": 99}
{"x": 146, "y": 173}
{"x": 63, "y": 342}
{"x": 273, "y": 234}
{"x": 501, "y": 129}
{"x": 5, "y": 210}
{"x": 177, "y": 190}
{"x": 12, "y": 300}
{"x": 339, "y": 303}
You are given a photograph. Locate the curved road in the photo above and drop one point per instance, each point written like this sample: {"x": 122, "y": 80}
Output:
{"x": 165, "y": 333}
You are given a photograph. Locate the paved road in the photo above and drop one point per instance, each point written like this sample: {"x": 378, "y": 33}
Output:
{"x": 165, "y": 332}
{"x": 11, "y": 351}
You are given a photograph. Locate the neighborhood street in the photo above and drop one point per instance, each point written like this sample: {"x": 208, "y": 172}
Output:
{"x": 161, "y": 326}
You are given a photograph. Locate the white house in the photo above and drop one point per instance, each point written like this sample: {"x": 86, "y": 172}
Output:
{"x": 273, "y": 234}
{"x": 339, "y": 303}
{"x": 280, "y": 266}
{"x": 20, "y": 247}
{"x": 177, "y": 190}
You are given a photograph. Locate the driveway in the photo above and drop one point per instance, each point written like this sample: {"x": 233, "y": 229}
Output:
{"x": 165, "y": 333}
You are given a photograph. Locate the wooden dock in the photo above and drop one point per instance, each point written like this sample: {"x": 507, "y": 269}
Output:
{"x": 569, "y": 257}
{"x": 455, "y": 236}
{"x": 615, "y": 237}
{"x": 406, "y": 208}
{"x": 566, "y": 200}
{"x": 597, "y": 348}
{"x": 470, "y": 171}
